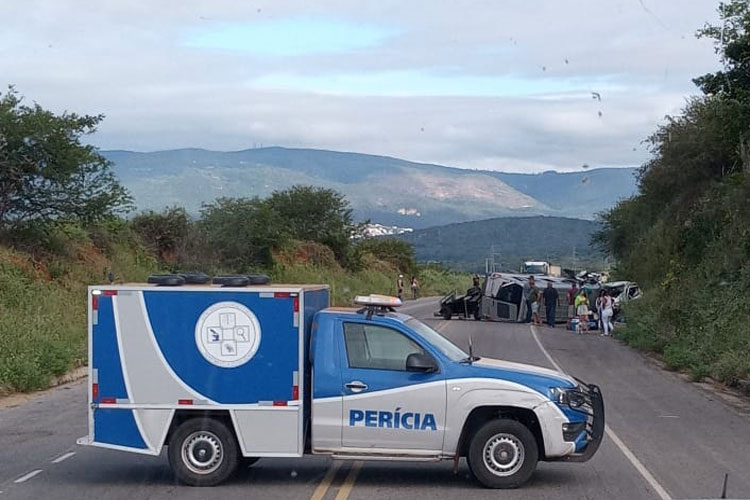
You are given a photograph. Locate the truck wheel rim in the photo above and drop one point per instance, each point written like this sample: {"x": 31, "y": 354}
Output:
{"x": 202, "y": 452}
{"x": 503, "y": 454}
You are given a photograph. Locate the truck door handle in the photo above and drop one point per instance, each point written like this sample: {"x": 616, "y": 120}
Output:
{"x": 356, "y": 386}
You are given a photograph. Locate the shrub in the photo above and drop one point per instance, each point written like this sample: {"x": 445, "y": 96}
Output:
{"x": 316, "y": 214}
{"x": 399, "y": 253}
{"x": 241, "y": 233}
{"x": 165, "y": 232}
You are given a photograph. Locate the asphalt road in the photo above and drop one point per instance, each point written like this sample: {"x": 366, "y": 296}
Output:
{"x": 666, "y": 439}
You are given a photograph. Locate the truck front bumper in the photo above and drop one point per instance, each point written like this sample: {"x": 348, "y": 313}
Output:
{"x": 593, "y": 409}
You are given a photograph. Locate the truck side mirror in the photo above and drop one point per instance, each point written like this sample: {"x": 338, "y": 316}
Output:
{"x": 420, "y": 362}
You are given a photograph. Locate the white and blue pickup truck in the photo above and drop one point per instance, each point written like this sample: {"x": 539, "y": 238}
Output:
{"x": 223, "y": 375}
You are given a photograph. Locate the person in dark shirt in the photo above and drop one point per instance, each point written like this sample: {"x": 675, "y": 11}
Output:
{"x": 550, "y": 303}
{"x": 527, "y": 286}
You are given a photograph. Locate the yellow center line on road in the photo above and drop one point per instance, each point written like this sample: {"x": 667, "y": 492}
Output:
{"x": 322, "y": 489}
{"x": 348, "y": 485}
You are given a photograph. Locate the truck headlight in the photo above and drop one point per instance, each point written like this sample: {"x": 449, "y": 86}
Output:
{"x": 567, "y": 397}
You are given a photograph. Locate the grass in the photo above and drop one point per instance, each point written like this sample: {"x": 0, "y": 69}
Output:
{"x": 346, "y": 285}
{"x": 43, "y": 310}
{"x": 42, "y": 330}
{"x": 698, "y": 324}
{"x": 43, "y": 301}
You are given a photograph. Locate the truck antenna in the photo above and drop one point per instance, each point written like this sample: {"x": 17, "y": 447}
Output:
{"x": 724, "y": 489}
{"x": 471, "y": 349}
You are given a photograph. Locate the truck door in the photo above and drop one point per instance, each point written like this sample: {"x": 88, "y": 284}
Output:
{"x": 386, "y": 407}
{"x": 508, "y": 302}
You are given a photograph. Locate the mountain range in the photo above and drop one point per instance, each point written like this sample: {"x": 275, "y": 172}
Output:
{"x": 510, "y": 241}
{"x": 385, "y": 190}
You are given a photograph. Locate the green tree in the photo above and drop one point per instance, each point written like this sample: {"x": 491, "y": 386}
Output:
{"x": 732, "y": 45}
{"x": 163, "y": 232}
{"x": 685, "y": 235}
{"x": 46, "y": 173}
{"x": 241, "y": 233}
{"x": 664, "y": 225}
{"x": 316, "y": 214}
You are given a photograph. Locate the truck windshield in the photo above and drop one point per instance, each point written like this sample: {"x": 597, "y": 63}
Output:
{"x": 451, "y": 350}
{"x": 534, "y": 269}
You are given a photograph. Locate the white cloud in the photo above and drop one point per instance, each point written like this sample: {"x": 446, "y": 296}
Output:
{"x": 483, "y": 84}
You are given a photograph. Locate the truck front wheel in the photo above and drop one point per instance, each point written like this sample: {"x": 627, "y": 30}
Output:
{"x": 203, "y": 452}
{"x": 503, "y": 454}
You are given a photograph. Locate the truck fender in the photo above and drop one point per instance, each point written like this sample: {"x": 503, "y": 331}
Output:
{"x": 475, "y": 406}
{"x": 181, "y": 416}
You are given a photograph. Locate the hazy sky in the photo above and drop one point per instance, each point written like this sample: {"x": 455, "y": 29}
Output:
{"x": 504, "y": 85}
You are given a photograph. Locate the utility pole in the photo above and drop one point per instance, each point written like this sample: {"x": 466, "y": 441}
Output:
{"x": 490, "y": 264}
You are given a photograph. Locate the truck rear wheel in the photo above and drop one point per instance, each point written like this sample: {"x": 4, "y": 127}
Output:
{"x": 503, "y": 454}
{"x": 203, "y": 452}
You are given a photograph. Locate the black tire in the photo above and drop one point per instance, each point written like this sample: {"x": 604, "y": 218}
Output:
{"x": 446, "y": 313}
{"x": 196, "y": 278}
{"x": 258, "y": 279}
{"x": 195, "y": 439}
{"x": 166, "y": 279}
{"x": 234, "y": 281}
{"x": 477, "y": 315}
{"x": 512, "y": 454}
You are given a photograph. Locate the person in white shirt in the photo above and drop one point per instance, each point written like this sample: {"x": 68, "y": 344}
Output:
{"x": 606, "y": 313}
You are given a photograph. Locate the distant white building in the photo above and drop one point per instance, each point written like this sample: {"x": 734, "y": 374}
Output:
{"x": 381, "y": 230}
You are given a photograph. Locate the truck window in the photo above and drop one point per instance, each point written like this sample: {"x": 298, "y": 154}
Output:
{"x": 447, "y": 347}
{"x": 377, "y": 347}
{"x": 534, "y": 269}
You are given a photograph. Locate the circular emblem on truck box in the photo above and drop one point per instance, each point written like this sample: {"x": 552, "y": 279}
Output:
{"x": 227, "y": 334}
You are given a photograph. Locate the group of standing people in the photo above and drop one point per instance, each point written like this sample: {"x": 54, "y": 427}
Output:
{"x": 414, "y": 286}
{"x": 578, "y": 307}
{"x": 535, "y": 298}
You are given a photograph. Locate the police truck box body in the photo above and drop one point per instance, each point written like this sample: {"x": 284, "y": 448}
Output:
{"x": 224, "y": 374}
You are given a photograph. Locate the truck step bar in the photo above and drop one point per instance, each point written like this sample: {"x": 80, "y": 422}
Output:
{"x": 389, "y": 457}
